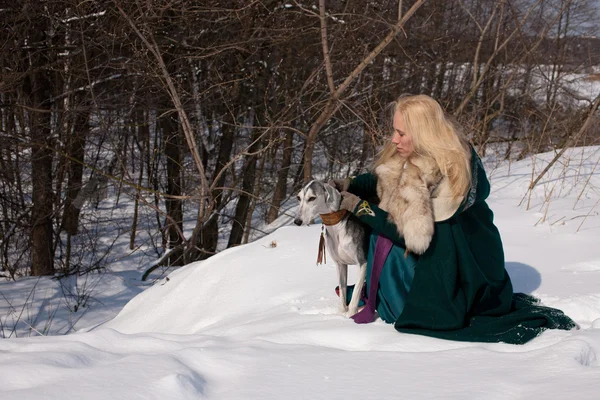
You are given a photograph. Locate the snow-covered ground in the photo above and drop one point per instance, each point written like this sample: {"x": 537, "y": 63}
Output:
{"x": 260, "y": 321}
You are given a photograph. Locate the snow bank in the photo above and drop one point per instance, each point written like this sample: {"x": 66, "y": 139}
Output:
{"x": 260, "y": 321}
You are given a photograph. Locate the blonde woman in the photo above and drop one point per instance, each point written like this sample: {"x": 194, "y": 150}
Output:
{"x": 435, "y": 259}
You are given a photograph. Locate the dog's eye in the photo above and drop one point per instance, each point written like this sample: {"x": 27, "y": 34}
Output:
{"x": 298, "y": 198}
{"x": 312, "y": 198}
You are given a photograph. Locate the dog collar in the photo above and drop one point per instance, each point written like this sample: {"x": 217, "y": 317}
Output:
{"x": 334, "y": 217}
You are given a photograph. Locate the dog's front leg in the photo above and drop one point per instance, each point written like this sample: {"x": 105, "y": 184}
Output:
{"x": 343, "y": 280}
{"x": 360, "y": 282}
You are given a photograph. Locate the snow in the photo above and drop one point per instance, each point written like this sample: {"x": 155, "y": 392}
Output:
{"x": 260, "y": 321}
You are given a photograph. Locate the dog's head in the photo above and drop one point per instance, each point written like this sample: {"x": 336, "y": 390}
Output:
{"x": 316, "y": 198}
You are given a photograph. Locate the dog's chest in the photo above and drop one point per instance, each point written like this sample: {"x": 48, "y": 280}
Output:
{"x": 341, "y": 247}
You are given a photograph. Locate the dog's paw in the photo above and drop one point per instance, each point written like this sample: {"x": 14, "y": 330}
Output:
{"x": 343, "y": 309}
{"x": 351, "y": 312}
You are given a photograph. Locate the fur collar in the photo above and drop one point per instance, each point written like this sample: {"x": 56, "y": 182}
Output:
{"x": 415, "y": 194}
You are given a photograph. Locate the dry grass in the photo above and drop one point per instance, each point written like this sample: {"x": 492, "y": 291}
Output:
{"x": 593, "y": 77}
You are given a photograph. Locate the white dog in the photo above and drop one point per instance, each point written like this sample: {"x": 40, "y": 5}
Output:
{"x": 345, "y": 240}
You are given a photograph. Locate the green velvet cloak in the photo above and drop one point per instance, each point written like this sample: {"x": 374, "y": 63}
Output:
{"x": 460, "y": 289}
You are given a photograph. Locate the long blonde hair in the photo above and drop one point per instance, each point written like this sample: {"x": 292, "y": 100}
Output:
{"x": 434, "y": 134}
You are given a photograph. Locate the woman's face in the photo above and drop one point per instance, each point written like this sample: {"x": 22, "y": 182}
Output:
{"x": 401, "y": 138}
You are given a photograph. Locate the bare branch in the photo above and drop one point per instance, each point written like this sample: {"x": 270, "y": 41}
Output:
{"x": 326, "y": 56}
{"x": 399, "y": 10}
{"x": 480, "y": 41}
{"x": 186, "y": 125}
{"x": 497, "y": 50}
{"x": 333, "y": 103}
{"x": 570, "y": 142}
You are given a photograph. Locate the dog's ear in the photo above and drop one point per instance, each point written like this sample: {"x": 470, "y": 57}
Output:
{"x": 332, "y": 196}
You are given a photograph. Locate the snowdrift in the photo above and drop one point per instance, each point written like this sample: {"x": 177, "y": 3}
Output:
{"x": 550, "y": 243}
{"x": 260, "y": 321}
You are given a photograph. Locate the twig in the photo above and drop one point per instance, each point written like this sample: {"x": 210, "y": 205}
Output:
{"x": 572, "y": 140}
{"x": 586, "y": 182}
{"x": 584, "y": 218}
{"x": 14, "y": 311}
{"x": 32, "y": 328}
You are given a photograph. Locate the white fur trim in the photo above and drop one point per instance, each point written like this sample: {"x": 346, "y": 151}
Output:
{"x": 404, "y": 189}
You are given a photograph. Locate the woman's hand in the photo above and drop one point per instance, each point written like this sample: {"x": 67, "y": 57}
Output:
{"x": 341, "y": 185}
{"x": 349, "y": 201}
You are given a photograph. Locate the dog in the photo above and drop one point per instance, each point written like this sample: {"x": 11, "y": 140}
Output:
{"x": 345, "y": 240}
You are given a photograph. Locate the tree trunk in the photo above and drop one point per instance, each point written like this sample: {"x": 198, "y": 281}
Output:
{"x": 282, "y": 177}
{"x": 41, "y": 170}
{"x": 76, "y": 151}
{"x": 243, "y": 204}
{"x": 364, "y": 153}
{"x": 174, "y": 224}
{"x": 208, "y": 237}
{"x": 256, "y": 194}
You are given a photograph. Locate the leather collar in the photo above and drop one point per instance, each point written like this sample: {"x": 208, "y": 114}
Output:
{"x": 334, "y": 217}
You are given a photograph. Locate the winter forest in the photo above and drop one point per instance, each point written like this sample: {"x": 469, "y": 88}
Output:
{"x": 207, "y": 114}
{"x": 151, "y": 152}
{"x": 200, "y": 120}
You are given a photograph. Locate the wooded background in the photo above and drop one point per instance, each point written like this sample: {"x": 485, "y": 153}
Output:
{"x": 220, "y": 110}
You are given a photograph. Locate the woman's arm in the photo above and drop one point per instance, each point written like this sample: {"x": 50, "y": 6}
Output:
{"x": 364, "y": 186}
{"x": 378, "y": 220}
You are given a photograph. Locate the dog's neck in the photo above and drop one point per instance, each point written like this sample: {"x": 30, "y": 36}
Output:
{"x": 333, "y": 218}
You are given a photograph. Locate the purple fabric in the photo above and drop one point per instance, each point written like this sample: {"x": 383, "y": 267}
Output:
{"x": 382, "y": 249}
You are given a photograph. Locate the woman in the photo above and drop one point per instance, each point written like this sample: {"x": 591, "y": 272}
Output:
{"x": 433, "y": 240}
